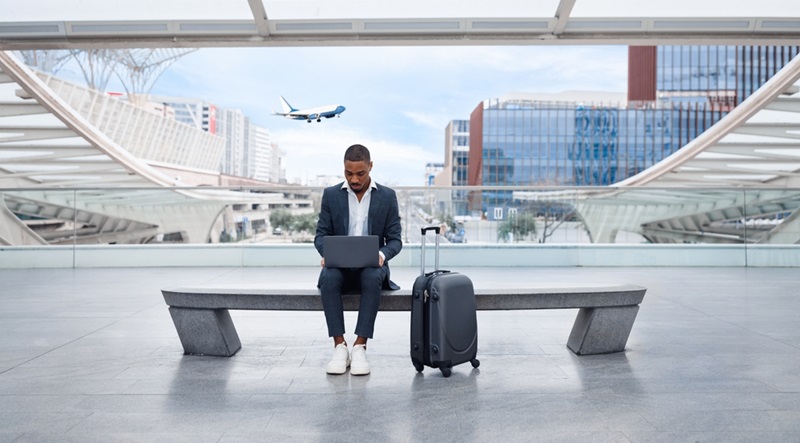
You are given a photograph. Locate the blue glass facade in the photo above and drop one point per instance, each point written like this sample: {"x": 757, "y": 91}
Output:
{"x": 696, "y": 68}
{"x": 529, "y": 143}
{"x": 581, "y": 146}
{"x": 717, "y": 75}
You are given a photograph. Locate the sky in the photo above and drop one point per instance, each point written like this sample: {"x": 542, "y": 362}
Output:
{"x": 399, "y": 99}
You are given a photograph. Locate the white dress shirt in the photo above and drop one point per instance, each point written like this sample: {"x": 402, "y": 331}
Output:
{"x": 359, "y": 210}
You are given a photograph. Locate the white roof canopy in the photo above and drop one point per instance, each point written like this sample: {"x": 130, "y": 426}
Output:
{"x": 49, "y": 24}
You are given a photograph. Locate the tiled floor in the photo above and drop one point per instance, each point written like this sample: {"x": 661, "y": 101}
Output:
{"x": 91, "y": 355}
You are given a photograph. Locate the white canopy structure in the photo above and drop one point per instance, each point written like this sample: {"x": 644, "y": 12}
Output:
{"x": 70, "y": 162}
{"x": 757, "y": 144}
{"x": 749, "y": 162}
{"x": 43, "y": 24}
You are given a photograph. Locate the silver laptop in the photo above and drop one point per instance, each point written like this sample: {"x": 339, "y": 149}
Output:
{"x": 349, "y": 251}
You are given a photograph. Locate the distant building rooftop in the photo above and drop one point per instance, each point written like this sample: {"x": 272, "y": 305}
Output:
{"x": 574, "y": 96}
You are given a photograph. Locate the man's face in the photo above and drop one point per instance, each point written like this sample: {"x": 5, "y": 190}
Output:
{"x": 357, "y": 174}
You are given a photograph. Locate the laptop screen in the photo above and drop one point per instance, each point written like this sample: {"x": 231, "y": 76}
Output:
{"x": 350, "y": 251}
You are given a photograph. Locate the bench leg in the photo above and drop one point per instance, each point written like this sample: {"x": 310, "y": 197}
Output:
{"x": 206, "y": 331}
{"x": 602, "y": 330}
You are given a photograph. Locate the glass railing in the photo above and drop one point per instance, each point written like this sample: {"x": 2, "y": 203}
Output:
{"x": 479, "y": 224}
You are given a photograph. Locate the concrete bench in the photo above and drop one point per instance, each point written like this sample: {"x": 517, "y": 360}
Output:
{"x": 605, "y": 317}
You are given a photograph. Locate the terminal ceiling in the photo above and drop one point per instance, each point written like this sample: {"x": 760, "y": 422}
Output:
{"x": 56, "y": 24}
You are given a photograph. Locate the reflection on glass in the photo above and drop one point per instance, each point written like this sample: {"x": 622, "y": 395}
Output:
{"x": 37, "y": 217}
{"x": 769, "y": 217}
{"x": 468, "y": 215}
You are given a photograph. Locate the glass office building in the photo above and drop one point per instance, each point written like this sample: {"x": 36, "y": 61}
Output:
{"x": 454, "y": 173}
{"x": 675, "y": 93}
{"x": 532, "y": 143}
{"x": 715, "y": 76}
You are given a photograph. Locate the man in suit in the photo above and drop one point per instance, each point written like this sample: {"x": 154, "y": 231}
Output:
{"x": 357, "y": 206}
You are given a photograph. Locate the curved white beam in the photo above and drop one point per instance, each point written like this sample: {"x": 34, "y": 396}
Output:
{"x": 75, "y": 125}
{"x": 45, "y": 144}
{"x": 41, "y": 157}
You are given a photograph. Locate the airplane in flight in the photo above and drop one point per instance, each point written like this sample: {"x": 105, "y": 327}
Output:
{"x": 317, "y": 114}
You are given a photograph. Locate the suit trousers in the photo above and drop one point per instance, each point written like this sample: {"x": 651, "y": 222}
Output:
{"x": 334, "y": 281}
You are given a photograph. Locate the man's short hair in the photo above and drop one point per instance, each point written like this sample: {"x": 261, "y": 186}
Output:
{"x": 357, "y": 153}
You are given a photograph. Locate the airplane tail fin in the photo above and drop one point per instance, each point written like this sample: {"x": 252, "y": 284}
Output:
{"x": 287, "y": 108}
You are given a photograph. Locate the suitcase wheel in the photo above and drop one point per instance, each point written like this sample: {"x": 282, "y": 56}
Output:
{"x": 418, "y": 366}
{"x": 446, "y": 371}
{"x": 475, "y": 362}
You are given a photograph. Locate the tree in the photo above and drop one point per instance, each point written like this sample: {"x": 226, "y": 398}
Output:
{"x": 281, "y": 218}
{"x": 304, "y": 223}
{"x": 553, "y": 219}
{"x": 516, "y": 226}
{"x": 447, "y": 219}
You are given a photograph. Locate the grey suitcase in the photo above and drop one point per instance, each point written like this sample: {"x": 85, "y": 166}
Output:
{"x": 444, "y": 323}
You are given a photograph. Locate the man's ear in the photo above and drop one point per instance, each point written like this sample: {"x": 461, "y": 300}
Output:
{"x": 370, "y": 166}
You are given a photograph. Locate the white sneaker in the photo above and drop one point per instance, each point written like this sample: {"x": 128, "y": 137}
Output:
{"x": 340, "y": 360}
{"x": 359, "y": 365}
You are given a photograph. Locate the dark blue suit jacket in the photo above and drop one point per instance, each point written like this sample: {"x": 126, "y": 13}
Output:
{"x": 383, "y": 218}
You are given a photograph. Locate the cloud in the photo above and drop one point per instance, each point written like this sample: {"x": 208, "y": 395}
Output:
{"x": 398, "y": 99}
{"x": 427, "y": 119}
{"x": 317, "y": 150}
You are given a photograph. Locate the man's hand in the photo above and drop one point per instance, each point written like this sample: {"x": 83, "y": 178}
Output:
{"x": 380, "y": 260}
{"x": 322, "y": 263}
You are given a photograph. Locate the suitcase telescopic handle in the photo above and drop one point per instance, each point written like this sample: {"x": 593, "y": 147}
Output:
{"x": 437, "y": 229}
